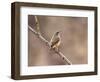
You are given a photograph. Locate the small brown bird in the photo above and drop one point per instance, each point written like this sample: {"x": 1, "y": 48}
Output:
{"x": 55, "y": 41}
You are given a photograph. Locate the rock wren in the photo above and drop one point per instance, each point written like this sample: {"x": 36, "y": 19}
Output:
{"x": 55, "y": 41}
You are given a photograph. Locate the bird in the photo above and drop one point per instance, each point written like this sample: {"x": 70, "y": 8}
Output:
{"x": 55, "y": 41}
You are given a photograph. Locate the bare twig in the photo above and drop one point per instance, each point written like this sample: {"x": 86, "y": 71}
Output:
{"x": 39, "y": 35}
{"x": 37, "y": 24}
{"x": 48, "y": 43}
{"x": 63, "y": 57}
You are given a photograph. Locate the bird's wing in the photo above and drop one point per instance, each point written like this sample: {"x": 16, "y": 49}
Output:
{"x": 55, "y": 41}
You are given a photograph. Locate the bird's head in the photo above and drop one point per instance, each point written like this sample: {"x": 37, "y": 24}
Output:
{"x": 57, "y": 33}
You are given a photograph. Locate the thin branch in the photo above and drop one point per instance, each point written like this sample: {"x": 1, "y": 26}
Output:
{"x": 37, "y": 24}
{"x": 63, "y": 57}
{"x": 48, "y": 43}
{"x": 39, "y": 35}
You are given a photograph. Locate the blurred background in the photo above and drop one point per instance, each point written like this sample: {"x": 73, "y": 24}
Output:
{"x": 73, "y": 40}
